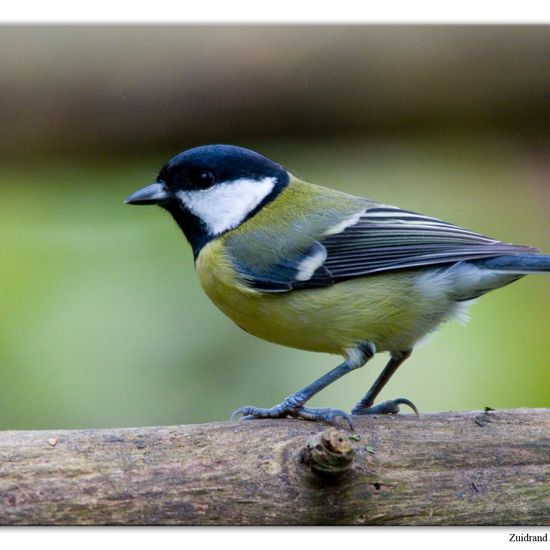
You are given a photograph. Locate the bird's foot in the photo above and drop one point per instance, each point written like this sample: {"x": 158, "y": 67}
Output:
{"x": 386, "y": 407}
{"x": 290, "y": 408}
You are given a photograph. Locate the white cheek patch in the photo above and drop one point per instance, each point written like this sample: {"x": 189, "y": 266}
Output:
{"x": 225, "y": 205}
{"x": 309, "y": 265}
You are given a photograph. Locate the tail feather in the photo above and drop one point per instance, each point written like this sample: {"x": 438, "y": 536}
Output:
{"x": 474, "y": 278}
{"x": 517, "y": 263}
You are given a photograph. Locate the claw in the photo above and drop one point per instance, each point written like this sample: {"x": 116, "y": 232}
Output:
{"x": 404, "y": 401}
{"x": 237, "y": 412}
{"x": 281, "y": 411}
{"x": 387, "y": 407}
{"x": 330, "y": 416}
{"x": 249, "y": 413}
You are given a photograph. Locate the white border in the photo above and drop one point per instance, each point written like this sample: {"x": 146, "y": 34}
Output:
{"x": 327, "y": 538}
{"x": 281, "y": 11}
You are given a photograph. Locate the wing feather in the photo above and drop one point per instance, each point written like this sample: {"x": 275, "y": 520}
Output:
{"x": 388, "y": 238}
{"x": 382, "y": 238}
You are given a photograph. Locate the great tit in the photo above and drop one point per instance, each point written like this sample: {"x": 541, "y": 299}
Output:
{"x": 316, "y": 269}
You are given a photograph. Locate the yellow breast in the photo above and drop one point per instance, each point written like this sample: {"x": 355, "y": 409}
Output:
{"x": 390, "y": 310}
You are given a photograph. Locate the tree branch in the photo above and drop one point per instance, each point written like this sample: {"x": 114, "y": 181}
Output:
{"x": 473, "y": 468}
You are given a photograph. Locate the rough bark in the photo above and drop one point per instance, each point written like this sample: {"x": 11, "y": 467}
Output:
{"x": 474, "y": 468}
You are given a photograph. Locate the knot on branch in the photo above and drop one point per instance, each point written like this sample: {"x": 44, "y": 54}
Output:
{"x": 328, "y": 453}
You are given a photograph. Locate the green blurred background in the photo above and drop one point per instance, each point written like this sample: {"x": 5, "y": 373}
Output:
{"x": 103, "y": 322}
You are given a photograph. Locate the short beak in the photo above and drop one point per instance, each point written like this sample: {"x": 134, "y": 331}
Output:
{"x": 152, "y": 194}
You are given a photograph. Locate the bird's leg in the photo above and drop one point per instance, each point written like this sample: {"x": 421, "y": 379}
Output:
{"x": 294, "y": 404}
{"x": 365, "y": 406}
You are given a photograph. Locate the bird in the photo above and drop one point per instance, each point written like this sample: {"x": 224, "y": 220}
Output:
{"x": 321, "y": 270}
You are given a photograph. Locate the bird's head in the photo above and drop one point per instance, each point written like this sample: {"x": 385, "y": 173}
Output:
{"x": 212, "y": 189}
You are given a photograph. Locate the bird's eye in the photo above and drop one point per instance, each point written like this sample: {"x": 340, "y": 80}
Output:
{"x": 202, "y": 179}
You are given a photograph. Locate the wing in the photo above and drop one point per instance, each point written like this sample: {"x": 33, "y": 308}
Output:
{"x": 388, "y": 238}
{"x": 378, "y": 239}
